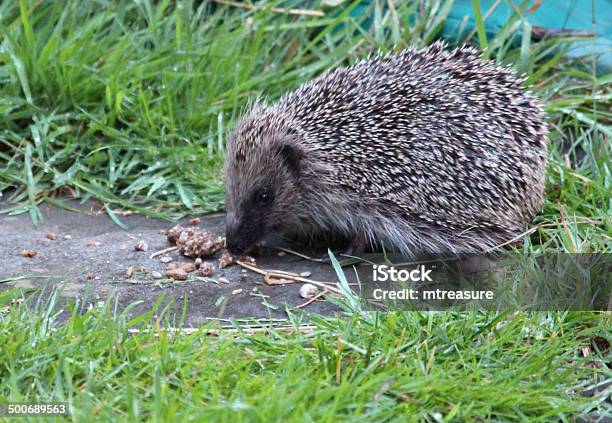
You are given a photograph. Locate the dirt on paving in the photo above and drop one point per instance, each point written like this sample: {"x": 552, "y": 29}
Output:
{"x": 90, "y": 255}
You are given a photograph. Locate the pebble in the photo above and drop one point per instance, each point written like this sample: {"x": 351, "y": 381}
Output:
{"x": 206, "y": 269}
{"x": 308, "y": 291}
{"x": 165, "y": 259}
{"x": 177, "y": 273}
{"x": 156, "y": 275}
{"x": 28, "y": 253}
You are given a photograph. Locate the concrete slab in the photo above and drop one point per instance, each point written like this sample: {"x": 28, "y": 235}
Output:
{"x": 91, "y": 254}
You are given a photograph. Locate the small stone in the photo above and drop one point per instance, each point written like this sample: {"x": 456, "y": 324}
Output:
{"x": 166, "y": 259}
{"x": 28, "y": 253}
{"x": 93, "y": 243}
{"x": 51, "y": 236}
{"x": 127, "y": 213}
{"x": 129, "y": 272}
{"x": 281, "y": 254}
{"x": 67, "y": 237}
{"x": 236, "y": 291}
{"x": 177, "y": 273}
{"x": 308, "y": 291}
{"x": 305, "y": 274}
{"x": 141, "y": 246}
{"x": 194, "y": 221}
{"x": 222, "y": 280}
{"x": 187, "y": 267}
{"x": 123, "y": 247}
{"x": 156, "y": 275}
{"x": 206, "y": 269}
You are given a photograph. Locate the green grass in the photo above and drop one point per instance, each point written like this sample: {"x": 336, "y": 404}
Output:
{"x": 366, "y": 366}
{"x": 130, "y": 105}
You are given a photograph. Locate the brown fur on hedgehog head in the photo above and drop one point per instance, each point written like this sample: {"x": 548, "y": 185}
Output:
{"x": 265, "y": 170}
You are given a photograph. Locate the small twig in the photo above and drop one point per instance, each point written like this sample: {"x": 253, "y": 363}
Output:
{"x": 539, "y": 33}
{"x": 313, "y": 299}
{"x": 304, "y": 256}
{"x": 269, "y": 280}
{"x": 164, "y": 251}
{"x": 528, "y": 232}
{"x": 564, "y": 224}
{"x": 536, "y": 6}
{"x": 303, "y": 12}
{"x": 538, "y": 226}
{"x": 267, "y": 273}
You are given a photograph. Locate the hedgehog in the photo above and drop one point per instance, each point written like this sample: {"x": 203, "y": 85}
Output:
{"x": 425, "y": 151}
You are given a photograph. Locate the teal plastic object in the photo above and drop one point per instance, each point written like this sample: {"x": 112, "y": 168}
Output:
{"x": 555, "y": 16}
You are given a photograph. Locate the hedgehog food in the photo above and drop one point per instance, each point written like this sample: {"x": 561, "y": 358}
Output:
{"x": 192, "y": 242}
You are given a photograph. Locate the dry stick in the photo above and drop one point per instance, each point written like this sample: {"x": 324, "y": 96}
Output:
{"x": 528, "y": 232}
{"x": 303, "y": 12}
{"x": 164, "y": 251}
{"x": 536, "y": 6}
{"x": 316, "y": 297}
{"x": 282, "y": 272}
{"x": 304, "y": 256}
{"x": 539, "y": 33}
{"x": 325, "y": 285}
{"x": 543, "y": 225}
{"x": 564, "y": 224}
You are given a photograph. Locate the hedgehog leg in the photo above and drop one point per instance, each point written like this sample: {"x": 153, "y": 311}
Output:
{"x": 356, "y": 246}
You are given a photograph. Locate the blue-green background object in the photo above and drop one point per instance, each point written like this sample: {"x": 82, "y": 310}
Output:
{"x": 578, "y": 15}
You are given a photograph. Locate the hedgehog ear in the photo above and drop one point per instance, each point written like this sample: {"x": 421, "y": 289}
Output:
{"x": 291, "y": 156}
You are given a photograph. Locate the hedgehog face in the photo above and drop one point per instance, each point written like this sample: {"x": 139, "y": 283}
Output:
{"x": 261, "y": 190}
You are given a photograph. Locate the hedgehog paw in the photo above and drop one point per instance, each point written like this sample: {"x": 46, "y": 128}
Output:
{"x": 355, "y": 248}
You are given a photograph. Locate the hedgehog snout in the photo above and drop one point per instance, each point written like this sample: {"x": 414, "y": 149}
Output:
{"x": 234, "y": 246}
{"x": 241, "y": 238}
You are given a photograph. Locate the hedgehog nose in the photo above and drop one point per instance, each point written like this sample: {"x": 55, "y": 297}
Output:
{"x": 234, "y": 247}
{"x": 233, "y": 244}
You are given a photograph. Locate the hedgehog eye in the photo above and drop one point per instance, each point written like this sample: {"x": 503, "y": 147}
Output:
{"x": 264, "y": 197}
